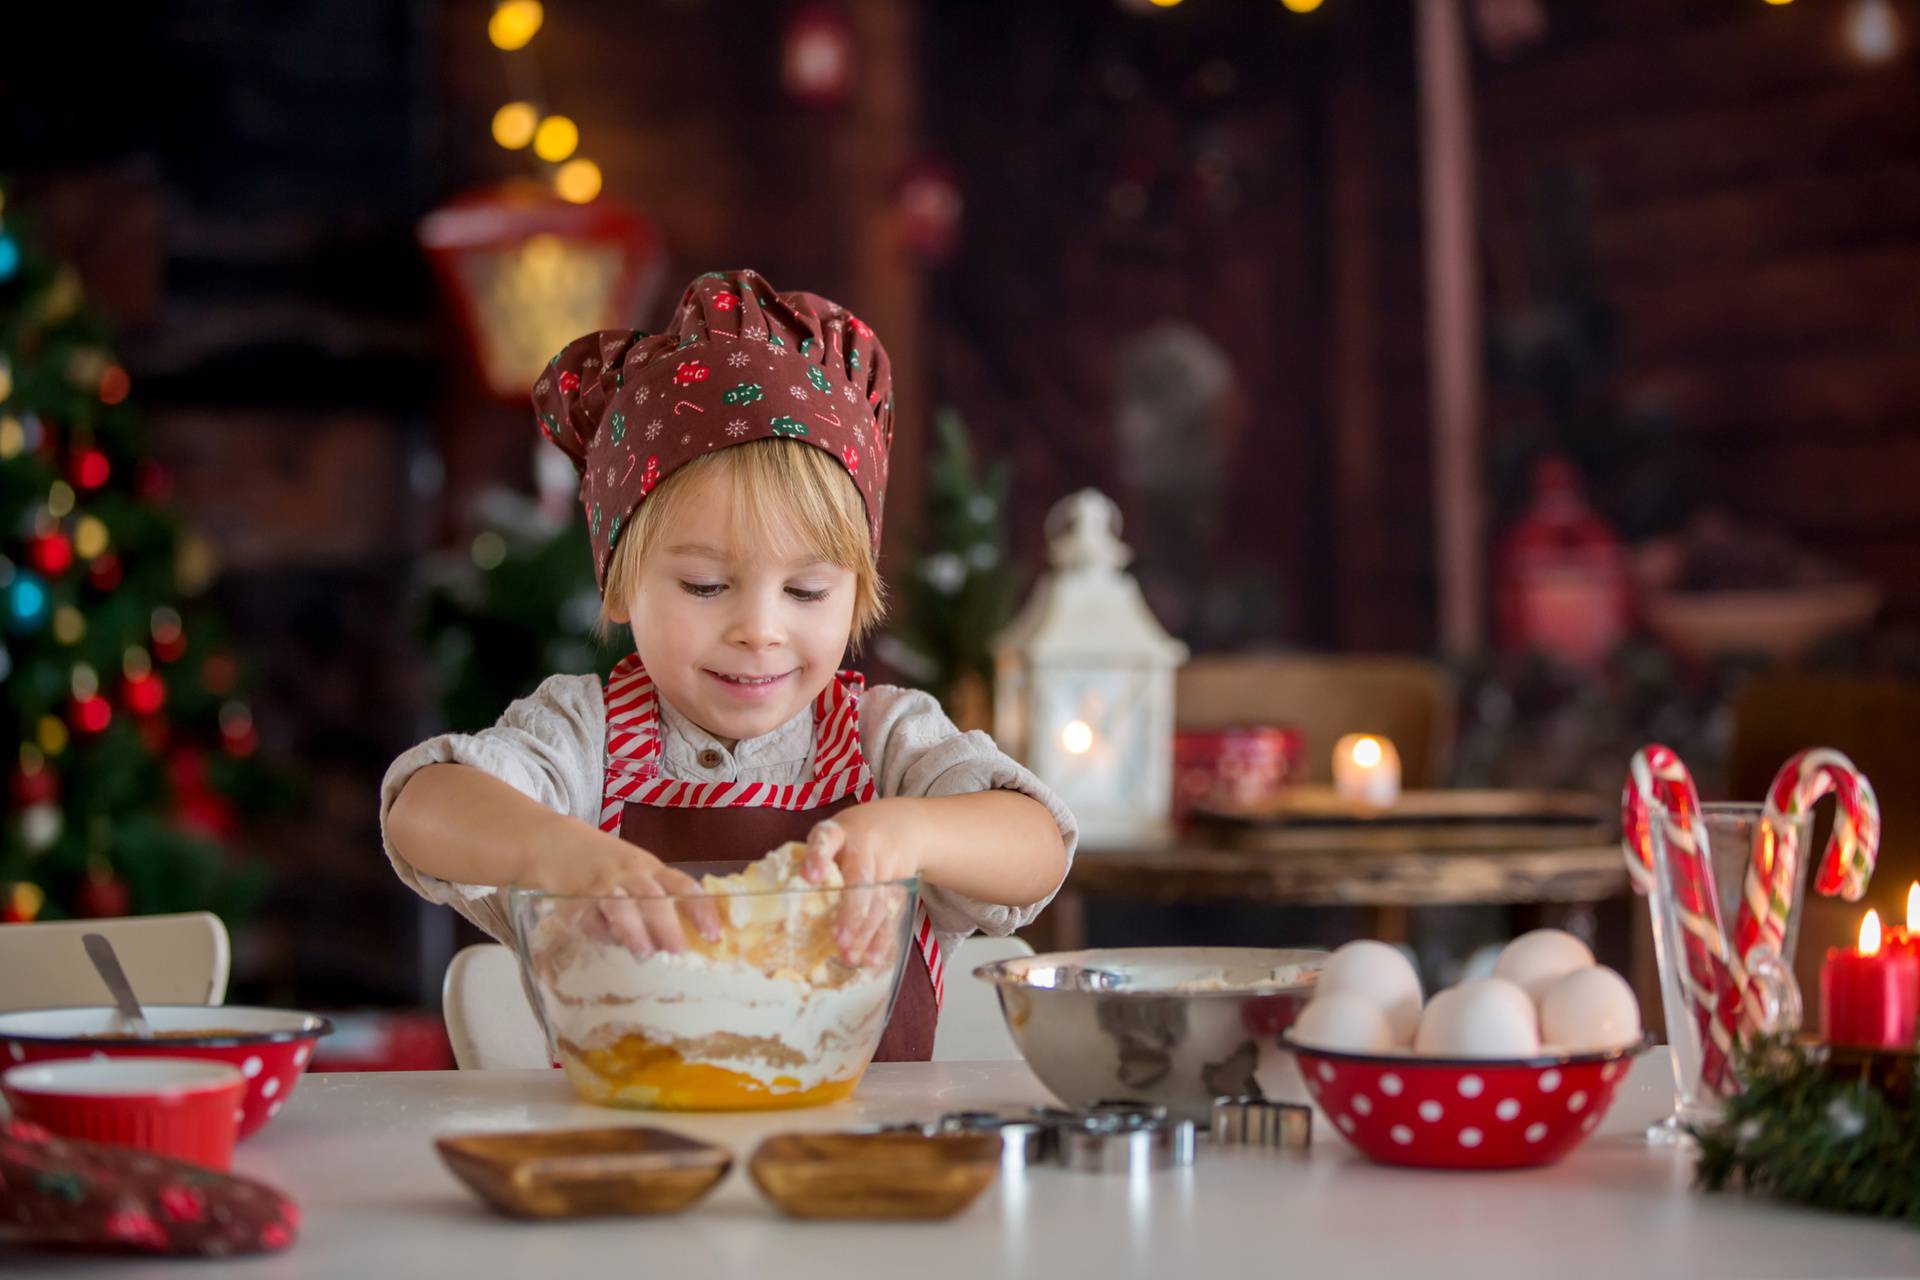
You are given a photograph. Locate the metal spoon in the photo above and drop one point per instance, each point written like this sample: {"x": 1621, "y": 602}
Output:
{"x": 107, "y": 964}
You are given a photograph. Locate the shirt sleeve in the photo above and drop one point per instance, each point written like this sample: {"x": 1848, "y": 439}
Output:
{"x": 914, "y": 750}
{"x": 547, "y": 746}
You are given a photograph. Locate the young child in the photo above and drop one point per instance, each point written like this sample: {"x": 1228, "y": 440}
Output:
{"x": 733, "y": 471}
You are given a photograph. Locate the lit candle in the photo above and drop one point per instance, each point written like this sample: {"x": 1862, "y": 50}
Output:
{"x": 1366, "y": 770}
{"x": 1870, "y": 995}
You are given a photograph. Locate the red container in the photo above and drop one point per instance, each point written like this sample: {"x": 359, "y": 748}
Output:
{"x": 1234, "y": 770}
{"x": 271, "y": 1047}
{"x": 187, "y": 1108}
{"x": 1462, "y": 1113}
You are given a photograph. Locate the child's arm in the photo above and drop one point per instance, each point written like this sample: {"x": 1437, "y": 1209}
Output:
{"x": 465, "y": 825}
{"x": 997, "y": 846}
{"x": 990, "y": 841}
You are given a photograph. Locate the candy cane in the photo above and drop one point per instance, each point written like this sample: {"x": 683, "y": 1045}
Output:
{"x": 1773, "y": 873}
{"x": 1660, "y": 790}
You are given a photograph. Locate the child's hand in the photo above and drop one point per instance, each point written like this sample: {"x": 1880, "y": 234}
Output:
{"x": 873, "y": 844}
{"x": 605, "y": 871}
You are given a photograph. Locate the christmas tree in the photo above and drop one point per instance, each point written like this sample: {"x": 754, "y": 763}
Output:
{"x": 132, "y": 750}
{"x": 961, "y": 589}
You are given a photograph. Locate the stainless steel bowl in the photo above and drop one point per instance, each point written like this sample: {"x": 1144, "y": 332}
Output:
{"x": 1179, "y": 1026}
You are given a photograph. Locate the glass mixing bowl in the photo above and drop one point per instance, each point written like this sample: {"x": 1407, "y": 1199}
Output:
{"x": 767, "y": 1015}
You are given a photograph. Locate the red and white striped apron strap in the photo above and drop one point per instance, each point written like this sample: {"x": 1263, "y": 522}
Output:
{"x": 923, "y": 935}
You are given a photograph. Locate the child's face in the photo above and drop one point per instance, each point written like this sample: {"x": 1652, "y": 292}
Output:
{"x": 740, "y": 638}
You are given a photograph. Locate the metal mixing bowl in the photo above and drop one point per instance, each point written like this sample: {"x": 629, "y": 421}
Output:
{"x": 1175, "y": 1025}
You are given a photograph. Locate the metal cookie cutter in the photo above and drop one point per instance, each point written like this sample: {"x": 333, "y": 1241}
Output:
{"x": 1262, "y": 1122}
{"x": 1114, "y": 1145}
{"x": 1024, "y": 1140}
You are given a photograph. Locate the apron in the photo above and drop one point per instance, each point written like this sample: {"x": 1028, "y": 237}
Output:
{"x": 680, "y": 821}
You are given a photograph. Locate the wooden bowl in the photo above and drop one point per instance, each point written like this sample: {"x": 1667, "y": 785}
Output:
{"x": 875, "y": 1175}
{"x": 580, "y": 1173}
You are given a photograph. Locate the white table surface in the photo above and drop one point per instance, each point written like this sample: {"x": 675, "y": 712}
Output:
{"x": 356, "y": 1151}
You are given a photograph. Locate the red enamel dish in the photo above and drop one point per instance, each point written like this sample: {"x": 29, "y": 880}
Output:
{"x": 271, "y": 1047}
{"x": 187, "y": 1108}
{"x": 1464, "y": 1113}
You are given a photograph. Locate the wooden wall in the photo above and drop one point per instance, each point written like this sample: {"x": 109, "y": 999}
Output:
{"x": 1756, "y": 195}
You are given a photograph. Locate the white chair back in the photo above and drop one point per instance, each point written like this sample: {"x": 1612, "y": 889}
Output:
{"x": 971, "y": 1028}
{"x": 489, "y": 1021}
{"x": 177, "y": 959}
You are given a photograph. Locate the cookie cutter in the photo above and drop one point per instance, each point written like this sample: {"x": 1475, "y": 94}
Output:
{"x": 1262, "y": 1122}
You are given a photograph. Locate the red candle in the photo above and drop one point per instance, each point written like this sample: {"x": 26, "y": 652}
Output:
{"x": 1870, "y": 995}
{"x": 1908, "y": 939}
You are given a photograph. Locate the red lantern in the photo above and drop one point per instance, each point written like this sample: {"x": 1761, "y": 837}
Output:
{"x": 527, "y": 272}
{"x": 1562, "y": 581}
{"x": 816, "y": 55}
{"x": 929, "y": 205}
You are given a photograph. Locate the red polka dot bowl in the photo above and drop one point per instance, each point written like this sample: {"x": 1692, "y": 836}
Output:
{"x": 271, "y": 1047}
{"x": 1464, "y": 1113}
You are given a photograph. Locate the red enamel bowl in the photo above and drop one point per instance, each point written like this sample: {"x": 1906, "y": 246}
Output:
{"x": 1464, "y": 1113}
{"x": 271, "y": 1047}
{"x": 180, "y": 1107}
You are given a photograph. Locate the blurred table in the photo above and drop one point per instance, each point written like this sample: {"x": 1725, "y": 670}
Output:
{"x": 1434, "y": 848}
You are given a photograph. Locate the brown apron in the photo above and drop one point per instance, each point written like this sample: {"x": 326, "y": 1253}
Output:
{"x": 680, "y": 821}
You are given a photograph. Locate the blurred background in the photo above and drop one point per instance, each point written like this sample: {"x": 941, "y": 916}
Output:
{"x": 1519, "y": 381}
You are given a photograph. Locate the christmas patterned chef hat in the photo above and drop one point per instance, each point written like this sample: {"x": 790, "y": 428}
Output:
{"x": 738, "y": 363}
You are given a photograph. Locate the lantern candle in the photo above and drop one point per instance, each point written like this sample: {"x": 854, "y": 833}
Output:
{"x": 1870, "y": 994}
{"x": 1366, "y": 770}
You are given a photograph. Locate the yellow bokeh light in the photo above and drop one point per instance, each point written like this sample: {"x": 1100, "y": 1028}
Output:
{"x": 86, "y": 681}
{"x": 515, "y": 23}
{"x": 555, "y": 139}
{"x": 53, "y": 735}
{"x": 137, "y": 663}
{"x": 578, "y": 180}
{"x": 90, "y": 537}
{"x": 1077, "y": 737}
{"x": 513, "y": 125}
{"x": 13, "y": 437}
{"x": 60, "y": 499}
{"x": 1366, "y": 753}
{"x": 69, "y": 625}
{"x": 489, "y": 551}
{"x": 1301, "y": 6}
{"x": 6, "y": 378}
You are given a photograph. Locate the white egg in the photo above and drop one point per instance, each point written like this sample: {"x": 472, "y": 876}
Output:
{"x": 1488, "y": 1018}
{"x": 1345, "y": 1021}
{"x": 1590, "y": 1009}
{"x": 1535, "y": 961}
{"x": 1378, "y": 973}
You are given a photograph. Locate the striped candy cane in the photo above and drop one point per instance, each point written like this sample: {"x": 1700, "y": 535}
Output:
{"x": 1661, "y": 791}
{"x": 1773, "y": 873}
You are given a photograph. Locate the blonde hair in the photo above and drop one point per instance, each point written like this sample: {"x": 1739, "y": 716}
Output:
{"x": 782, "y": 489}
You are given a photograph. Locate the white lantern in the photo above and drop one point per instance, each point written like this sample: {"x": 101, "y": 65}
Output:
{"x": 1083, "y": 681}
